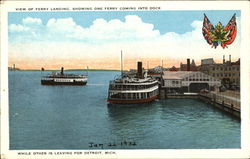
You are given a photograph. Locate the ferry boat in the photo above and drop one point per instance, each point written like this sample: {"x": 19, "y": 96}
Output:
{"x": 129, "y": 90}
{"x": 64, "y": 79}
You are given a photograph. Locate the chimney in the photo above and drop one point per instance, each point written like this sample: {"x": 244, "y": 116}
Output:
{"x": 61, "y": 70}
{"x": 139, "y": 69}
{"x": 188, "y": 64}
{"x": 223, "y": 59}
{"x": 230, "y": 59}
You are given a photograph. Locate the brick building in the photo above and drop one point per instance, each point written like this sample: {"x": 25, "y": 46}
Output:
{"x": 227, "y": 71}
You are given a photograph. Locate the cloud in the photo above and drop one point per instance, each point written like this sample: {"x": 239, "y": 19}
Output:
{"x": 64, "y": 38}
{"x": 101, "y": 31}
{"x": 17, "y": 28}
{"x": 32, "y": 21}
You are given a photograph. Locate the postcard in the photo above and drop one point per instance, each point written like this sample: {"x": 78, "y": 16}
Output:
{"x": 125, "y": 79}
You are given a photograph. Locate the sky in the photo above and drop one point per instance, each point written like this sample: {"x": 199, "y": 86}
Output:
{"x": 95, "y": 39}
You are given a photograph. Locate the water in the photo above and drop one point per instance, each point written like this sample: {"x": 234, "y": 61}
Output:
{"x": 78, "y": 117}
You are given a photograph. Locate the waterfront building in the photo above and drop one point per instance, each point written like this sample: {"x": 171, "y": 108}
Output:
{"x": 188, "y": 81}
{"x": 13, "y": 68}
{"x": 156, "y": 72}
{"x": 228, "y": 72}
{"x": 173, "y": 68}
{"x": 188, "y": 66}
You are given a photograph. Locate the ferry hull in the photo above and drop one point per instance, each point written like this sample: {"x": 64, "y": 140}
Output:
{"x": 124, "y": 101}
{"x": 63, "y": 83}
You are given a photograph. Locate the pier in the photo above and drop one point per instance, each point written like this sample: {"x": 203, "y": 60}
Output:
{"x": 228, "y": 101}
{"x": 223, "y": 101}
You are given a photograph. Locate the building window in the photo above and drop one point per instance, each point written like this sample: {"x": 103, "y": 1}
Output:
{"x": 238, "y": 68}
{"x": 213, "y": 74}
{"x": 225, "y": 69}
{"x": 221, "y": 68}
{"x": 229, "y": 68}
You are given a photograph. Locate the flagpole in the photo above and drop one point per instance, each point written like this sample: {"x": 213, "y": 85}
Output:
{"x": 121, "y": 65}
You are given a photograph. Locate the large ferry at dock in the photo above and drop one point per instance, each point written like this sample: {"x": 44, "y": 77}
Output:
{"x": 64, "y": 79}
{"x": 128, "y": 90}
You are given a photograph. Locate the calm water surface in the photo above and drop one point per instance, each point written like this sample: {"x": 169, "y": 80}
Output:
{"x": 73, "y": 117}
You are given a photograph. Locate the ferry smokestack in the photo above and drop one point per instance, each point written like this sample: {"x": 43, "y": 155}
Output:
{"x": 139, "y": 69}
{"x": 62, "y": 71}
{"x": 188, "y": 64}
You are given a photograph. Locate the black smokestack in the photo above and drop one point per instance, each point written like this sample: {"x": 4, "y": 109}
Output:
{"x": 188, "y": 64}
{"x": 62, "y": 71}
{"x": 139, "y": 69}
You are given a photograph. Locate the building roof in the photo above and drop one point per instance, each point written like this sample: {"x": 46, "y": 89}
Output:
{"x": 207, "y": 61}
{"x": 176, "y": 75}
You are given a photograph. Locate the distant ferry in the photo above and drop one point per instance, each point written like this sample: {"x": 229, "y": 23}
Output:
{"x": 64, "y": 79}
{"x": 129, "y": 90}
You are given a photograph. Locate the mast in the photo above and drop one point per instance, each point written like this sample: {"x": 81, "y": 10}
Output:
{"x": 87, "y": 70}
{"x": 121, "y": 65}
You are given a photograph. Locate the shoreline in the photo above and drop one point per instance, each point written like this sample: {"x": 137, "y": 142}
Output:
{"x": 70, "y": 70}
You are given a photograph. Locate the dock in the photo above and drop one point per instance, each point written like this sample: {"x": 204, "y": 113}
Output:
{"x": 226, "y": 101}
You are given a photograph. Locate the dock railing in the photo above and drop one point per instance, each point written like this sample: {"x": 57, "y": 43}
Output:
{"x": 230, "y": 100}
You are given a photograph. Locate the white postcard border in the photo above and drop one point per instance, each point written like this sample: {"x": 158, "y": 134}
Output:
{"x": 244, "y": 152}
